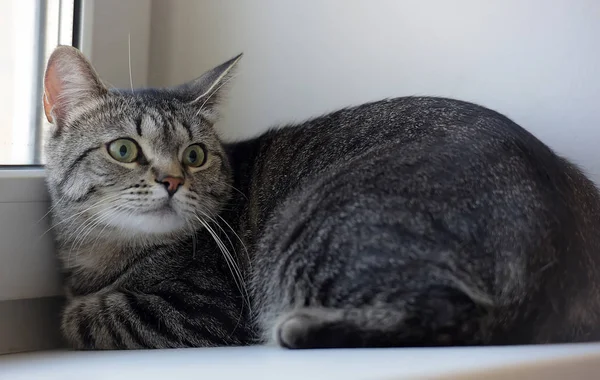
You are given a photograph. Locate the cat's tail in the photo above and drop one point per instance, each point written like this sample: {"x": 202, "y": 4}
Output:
{"x": 443, "y": 316}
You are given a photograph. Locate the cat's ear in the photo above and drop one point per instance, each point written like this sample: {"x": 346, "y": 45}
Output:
{"x": 70, "y": 81}
{"x": 207, "y": 91}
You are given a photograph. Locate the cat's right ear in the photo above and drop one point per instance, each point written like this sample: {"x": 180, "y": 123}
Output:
{"x": 207, "y": 90}
{"x": 70, "y": 81}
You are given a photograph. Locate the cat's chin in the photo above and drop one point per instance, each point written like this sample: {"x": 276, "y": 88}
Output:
{"x": 153, "y": 223}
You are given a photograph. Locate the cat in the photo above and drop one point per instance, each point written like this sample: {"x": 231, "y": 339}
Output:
{"x": 414, "y": 221}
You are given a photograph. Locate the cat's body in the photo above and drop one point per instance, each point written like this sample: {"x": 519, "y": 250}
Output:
{"x": 421, "y": 210}
{"x": 410, "y": 221}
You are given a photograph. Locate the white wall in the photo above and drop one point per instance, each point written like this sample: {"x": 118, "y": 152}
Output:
{"x": 537, "y": 61}
{"x": 107, "y": 27}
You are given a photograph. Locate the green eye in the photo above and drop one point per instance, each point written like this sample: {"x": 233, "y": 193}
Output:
{"x": 194, "y": 156}
{"x": 123, "y": 150}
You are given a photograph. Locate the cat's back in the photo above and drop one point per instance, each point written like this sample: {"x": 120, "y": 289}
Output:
{"x": 444, "y": 156}
{"x": 430, "y": 147}
{"x": 451, "y": 135}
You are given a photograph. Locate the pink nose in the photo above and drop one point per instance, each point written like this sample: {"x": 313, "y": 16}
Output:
{"x": 171, "y": 183}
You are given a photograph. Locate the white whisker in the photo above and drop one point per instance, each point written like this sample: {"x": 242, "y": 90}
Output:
{"x": 194, "y": 243}
{"x": 84, "y": 223}
{"x": 230, "y": 261}
{"x": 79, "y": 231}
{"x": 99, "y": 203}
{"x": 237, "y": 323}
{"x": 227, "y": 235}
{"x": 216, "y": 90}
{"x": 212, "y": 94}
{"x": 221, "y": 228}
{"x": 236, "y": 189}
{"x": 129, "y": 51}
{"x": 89, "y": 225}
{"x": 52, "y": 208}
{"x": 105, "y": 216}
{"x": 107, "y": 223}
{"x": 217, "y": 81}
{"x": 237, "y": 236}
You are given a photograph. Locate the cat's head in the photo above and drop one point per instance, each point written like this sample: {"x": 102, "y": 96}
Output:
{"x": 137, "y": 163}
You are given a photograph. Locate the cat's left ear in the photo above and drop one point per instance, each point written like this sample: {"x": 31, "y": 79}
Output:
{"x": 207, "y": 91}
{"x": 70, "y": 82}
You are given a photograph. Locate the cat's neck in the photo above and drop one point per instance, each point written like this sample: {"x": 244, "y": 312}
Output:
{"x": 103, "y": 251}
{"x": 99, "y": 255}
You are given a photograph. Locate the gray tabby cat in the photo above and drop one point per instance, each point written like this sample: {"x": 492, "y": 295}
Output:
{"x": 406, "y": 222}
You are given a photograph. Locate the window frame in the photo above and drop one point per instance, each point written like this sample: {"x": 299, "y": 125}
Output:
{"x": 31, "y": 293}
{"x": 30, "y": 284}
{"x": 22, "y": 187}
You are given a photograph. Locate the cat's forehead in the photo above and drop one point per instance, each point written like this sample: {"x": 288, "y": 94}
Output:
{"x": 161, "y": 125}
{"x": 162, "y": 132}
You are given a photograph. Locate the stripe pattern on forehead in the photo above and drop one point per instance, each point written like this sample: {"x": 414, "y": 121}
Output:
{"x": 164, "y": 130}
{"x": 188, "y": 129}
{"x": 138, "y": 125}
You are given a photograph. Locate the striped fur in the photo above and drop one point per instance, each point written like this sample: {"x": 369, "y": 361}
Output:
{"x": 410, "y": 221}
{"x": 139, "y": 274}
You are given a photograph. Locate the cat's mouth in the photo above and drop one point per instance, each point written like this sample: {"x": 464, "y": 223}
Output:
{"x": 158, "y": 220}
{"x": 161, "y": 218}
{"x": 165, "y": 208}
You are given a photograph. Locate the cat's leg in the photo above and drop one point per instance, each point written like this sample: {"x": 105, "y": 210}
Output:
{"x": 117, "y": 320}
{"x": 435, "y": 317}
{"x": 134, "y": 320}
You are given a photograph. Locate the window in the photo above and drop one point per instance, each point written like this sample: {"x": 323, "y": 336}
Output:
{"x": 29, "y": 31}
{"x": 30, "y": 287}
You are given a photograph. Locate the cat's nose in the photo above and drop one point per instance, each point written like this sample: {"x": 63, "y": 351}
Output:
{"x": 172, "y": 184}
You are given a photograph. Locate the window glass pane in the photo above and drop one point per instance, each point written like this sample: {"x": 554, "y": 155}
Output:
{"x": 29, "y": 31}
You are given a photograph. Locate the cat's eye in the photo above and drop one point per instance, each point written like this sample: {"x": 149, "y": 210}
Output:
{"x": 194, "y": 156}
{"x": 123, "y": 150}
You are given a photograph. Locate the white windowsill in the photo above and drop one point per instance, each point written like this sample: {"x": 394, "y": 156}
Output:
{"x": 492, "y": 363}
